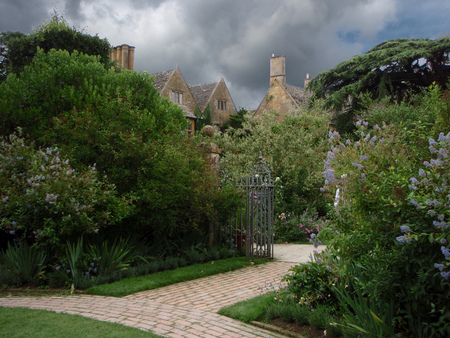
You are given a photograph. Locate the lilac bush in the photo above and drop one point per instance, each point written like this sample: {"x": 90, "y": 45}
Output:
{"x": 45, "y": 201}
{"x": 430, "y": 195}
{"x": 391, "y": 218}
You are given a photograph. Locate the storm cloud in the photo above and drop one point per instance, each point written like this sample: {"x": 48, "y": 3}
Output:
{"x": 235, "y": 39}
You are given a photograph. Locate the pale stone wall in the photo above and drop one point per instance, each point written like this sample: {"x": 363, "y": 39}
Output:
{"x": 278, "y": 69}
{"x": 178, "y": 84}
{"x": 219, "y": 116}
{"x": 276, "y": 99}
{"x": 124, "y": 55}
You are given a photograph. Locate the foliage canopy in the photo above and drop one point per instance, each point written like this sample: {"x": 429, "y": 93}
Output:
{"x": 394, "y": 69}
{"x": 56, "y": 34}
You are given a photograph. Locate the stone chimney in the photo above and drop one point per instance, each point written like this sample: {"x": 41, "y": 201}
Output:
{"x": 307, "y": 80}
{"x": 278, "y": 69}
{"x": 124, "y": 55}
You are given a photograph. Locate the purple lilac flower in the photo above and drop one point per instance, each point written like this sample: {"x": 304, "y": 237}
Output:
{"x": 413, "y": 202}
{"x": 439, "y": 266}
{"x": 432, "y": 142}
{"x": 414, "y": 180}
{"x": 445, "y": 251}
{"x": 441, "y": 137}
{"x": 421, "y": 173}
{"x": 405, "y": 229}
{"x": 363, "y": 157}
{"x": 401, "y": 239}
{"x": 445, "y": 275}
{"x": 443, "y": 241}
{"x": 432, "y": 212}
{"x": 432, "y": 150}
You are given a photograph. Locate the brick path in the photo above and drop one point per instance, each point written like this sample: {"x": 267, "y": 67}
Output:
{"x": 187, "y": 309}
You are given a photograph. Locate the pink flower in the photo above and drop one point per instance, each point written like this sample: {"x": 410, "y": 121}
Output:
{"x": 301, "y": 225}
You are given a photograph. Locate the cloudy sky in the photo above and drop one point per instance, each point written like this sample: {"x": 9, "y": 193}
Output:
{"x": 236, "y": 38}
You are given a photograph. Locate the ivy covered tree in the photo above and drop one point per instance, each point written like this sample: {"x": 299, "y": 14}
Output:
{"x": 395, "y": 69}
{"x": 56, "y": 34}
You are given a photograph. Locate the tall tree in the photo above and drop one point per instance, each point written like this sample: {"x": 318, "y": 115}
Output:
{"x": 56, "y": 34}
{"x": 395, "y": 68}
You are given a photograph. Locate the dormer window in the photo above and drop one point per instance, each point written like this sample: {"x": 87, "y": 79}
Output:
{"x": 222, "y": 105}
{"x": 177, "y": 97}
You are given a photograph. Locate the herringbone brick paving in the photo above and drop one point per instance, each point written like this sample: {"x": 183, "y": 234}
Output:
{"x": 187, "y": 309}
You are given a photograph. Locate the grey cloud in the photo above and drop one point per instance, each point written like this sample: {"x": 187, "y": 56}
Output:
{"x": 207, "y": 37}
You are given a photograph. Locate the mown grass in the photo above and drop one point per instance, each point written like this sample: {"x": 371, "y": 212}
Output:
{"x": 132, "y": 285}
{"x": 19, "y": 322}
{"x": 249, "y": 310}
{"x": 266, "y": 308}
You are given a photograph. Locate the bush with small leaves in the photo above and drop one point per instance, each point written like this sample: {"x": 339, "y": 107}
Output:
{"x": 45, "y": 201}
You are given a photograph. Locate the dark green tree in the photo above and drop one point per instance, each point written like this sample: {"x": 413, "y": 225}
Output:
{"x": 203, "y": 118}
{"x": 5, "y": 38}
{"x": 236, "y": 121}
{"x": 56, "y": 34}
{"x": 395, "y": 69}
{"x": 118, "y": 121}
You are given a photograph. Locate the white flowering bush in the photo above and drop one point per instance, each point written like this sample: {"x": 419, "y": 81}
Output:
{"x": 45, "y": 201}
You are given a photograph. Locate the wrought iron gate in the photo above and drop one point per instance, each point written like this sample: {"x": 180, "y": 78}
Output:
{"x": 252, "y": 228}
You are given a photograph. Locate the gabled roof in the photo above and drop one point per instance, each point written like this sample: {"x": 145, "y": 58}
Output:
{"x": 161, "y": 79}
{"x": 299, "y": 95}
{"x": 187, "y": 112}
{"x": 202, "y": 93}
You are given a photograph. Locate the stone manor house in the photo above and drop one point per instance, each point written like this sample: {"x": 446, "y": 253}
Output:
{"x": 281, "y": 97}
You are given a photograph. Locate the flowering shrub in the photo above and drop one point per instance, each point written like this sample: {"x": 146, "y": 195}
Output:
{"x": 430, "y": 194}
{"x": 46, "y": 201}
{"x": 294, "y": 149}
{"x": 291, "y": 228}
{"x": 391, "y": 216}
{"x": 311, "y": 283}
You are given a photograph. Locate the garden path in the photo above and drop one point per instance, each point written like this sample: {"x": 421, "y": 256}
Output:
{"x": 187, "y": 309}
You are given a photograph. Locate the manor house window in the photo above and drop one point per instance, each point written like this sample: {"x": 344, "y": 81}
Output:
{"x": 222, "y": 105}
{"x": 177, "y": 97}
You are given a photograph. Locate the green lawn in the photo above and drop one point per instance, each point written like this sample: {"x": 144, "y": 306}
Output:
{"x": 132, "y": 285}
{"x": 19, "y": 322}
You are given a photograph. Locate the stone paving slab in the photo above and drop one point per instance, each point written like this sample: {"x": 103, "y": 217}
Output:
{"x": 185, "y": 309}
